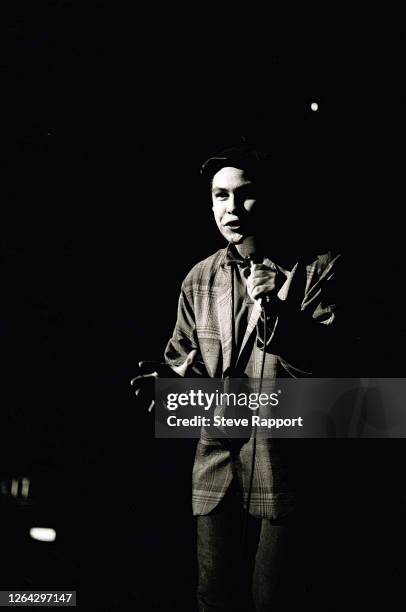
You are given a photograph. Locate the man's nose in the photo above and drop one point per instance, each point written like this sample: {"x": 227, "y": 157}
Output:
{"x": 231, "y": 204}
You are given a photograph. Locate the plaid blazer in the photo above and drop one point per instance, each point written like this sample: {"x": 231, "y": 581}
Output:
{"x": 299, "y": 344}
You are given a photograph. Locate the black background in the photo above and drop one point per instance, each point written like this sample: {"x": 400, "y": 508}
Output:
{"x": 108, "y": 114}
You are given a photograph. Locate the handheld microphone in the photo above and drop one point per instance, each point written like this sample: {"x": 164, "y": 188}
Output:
{"x": 250, "y": 250}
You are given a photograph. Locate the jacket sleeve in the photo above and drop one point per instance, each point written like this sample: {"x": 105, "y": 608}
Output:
{"x": 184, "y": 337}
{"x": 311, "y": 335}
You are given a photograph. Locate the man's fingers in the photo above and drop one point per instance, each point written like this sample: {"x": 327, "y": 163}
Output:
{"x": 260, "y": 290}
{"x": 139, "y": 379}
{"x": 266, "y": 276}
{"x": 257, "y": 267}
{"x": 150, "y": 370}
{"x": 263, "y": 271}
{"x": 146, "y": 367}
{"x": 143, "y": 385}
{"x": 269, "y": 285}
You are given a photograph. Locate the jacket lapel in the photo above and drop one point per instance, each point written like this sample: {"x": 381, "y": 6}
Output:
{"x": 251, "y": 327}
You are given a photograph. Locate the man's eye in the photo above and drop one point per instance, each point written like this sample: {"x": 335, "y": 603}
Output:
{"x": 221, "y": 196}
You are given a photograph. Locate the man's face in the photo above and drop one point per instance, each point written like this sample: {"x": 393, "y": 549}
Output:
{"x": 234, "y": 200}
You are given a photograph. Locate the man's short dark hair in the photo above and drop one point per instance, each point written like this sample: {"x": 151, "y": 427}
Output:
{"x": 247, "y": 157}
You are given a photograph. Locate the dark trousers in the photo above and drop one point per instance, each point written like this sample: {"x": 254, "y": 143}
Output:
{"x": 263, "y": 570}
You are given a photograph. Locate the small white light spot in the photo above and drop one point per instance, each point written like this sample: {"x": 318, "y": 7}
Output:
{"x": 43, "y": 534}
{"x": 314, "y": 106}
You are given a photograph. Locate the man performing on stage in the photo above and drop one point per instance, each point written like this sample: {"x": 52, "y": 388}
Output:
{"x": 219, "y": 332}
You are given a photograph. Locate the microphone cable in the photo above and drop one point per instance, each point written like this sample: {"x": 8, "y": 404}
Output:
{"x": 254, "y": 441}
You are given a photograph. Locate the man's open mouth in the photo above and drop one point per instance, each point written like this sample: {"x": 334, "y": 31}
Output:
{"x": 233, "y": 224}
